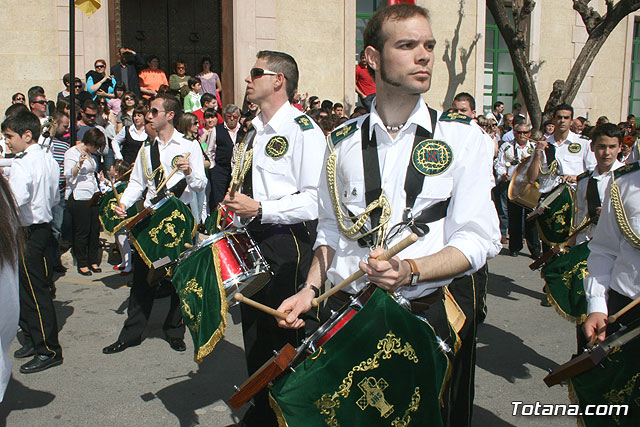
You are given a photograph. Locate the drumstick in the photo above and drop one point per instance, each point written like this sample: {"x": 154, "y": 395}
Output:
{"x": 163, "y": 183}
{"x": 123, "y": 175}
{"x": 255, "y": 304}
{"x": 613, "y": 318}
{"x": 388, "y": 254}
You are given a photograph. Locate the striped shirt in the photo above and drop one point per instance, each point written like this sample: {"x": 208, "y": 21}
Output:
{"x": 58, "y": 148}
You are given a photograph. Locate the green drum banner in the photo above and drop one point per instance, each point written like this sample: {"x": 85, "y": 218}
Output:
{"x": 556, "y": 222}
{"x": 564, "y": 278}
{"x": 616, "y": 381}
{"x": 202, "y": 299}
{"x": 164, "y": 232}
{"x": 212, "y": 223}
{"x": 109, "y": 220}
{"x": 384, "y": 367}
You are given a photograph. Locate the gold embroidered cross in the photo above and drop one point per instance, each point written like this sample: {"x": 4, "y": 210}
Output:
{"x": 373, "y": 396}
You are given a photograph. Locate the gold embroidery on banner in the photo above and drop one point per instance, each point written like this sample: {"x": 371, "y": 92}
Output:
{"x": 413, "y": 407}
{"x": 558, "y": 218}
{"x": 580, "y": 268}
{"x": 387, "y": 347}
{"x": 374, "y": 396}
{"x": 619, "y": 397}
{"x": 169, "y": 229}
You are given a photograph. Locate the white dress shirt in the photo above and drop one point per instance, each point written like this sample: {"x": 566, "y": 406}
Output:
{"x": 471, "y": 224}
{"x": 568, "y": 163}
{"x": 178, "y": 145}
{"x": 613, "y": 262}
{"x": 508, "y": 160}
{"x": 121, "y": 137}
{"x": 508, "y": 137}
{"x": 84, "y": 185}
{"x": 287, "y": 187}
{"x": 580, "y": 198}
{"x": 34, "y": 183}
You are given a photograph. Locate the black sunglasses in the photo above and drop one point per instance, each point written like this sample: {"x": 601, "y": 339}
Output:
{"x": 522, "y": 132}
{"x": 259, "y": 72}
{"x": 91, "y": 116}
{"x": 154, "y": 111}
{"x": 42, "y": 102}
{"x": 100, "y": 66}
{"x": 128, "y": 98}
{"x": 19, "y": 98}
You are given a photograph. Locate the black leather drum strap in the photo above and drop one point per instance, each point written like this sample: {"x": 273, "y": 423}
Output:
{"x": 155, "y": 163}
{"x": 593, "y": 198}
{"x": 247, "y": 183}
{"x": 371, "y": 167}
{"x": 414, "y": 180}
{"x": 550, "y": 154}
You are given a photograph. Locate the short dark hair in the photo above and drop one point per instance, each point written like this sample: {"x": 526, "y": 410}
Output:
{"x": 517, "y": 106}
{"x": 517, "y": 121}
{"x": 326, "y": 105}
{"x": 583, "y": 120}
{"x": 139, "y": 110}
{"x": 563, "y": 107}
{"x": 66, "y": 79}
{"x": 22, "y": 121}
{"x": 95, "y": 137}
{"x": 33, "y": 92}
{"x": 630, "y": 116}
{"x": 607, "y": 129}
{"x": 59, "y": 115}
{"x": 89, "y": 104}
{"x": 207, "y": 97}
{"x": 17, "y": 94}
{"x": 152, "y": 57}
{"x": 497, "y": 104}
{"x": 14, "y": 108}
{"x": 280, "y": 62}
{"x": 193, "y": 81}
{"x": 337, "y": 105}
{"x": 465, "y": 96}
{"x": 204, "y": 59}
{"x": 170, "y": 103}
{"x": 210, "y": 112}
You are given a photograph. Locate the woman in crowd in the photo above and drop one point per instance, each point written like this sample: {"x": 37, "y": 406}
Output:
{"x": 80, "y": 172}
{"x": 188, "y": 125}
{"x": 128, "y": 141}
{"x": 152, "y": 78}
{"x": 125, "y": 117}
{"x": 18, "y": 98}
{"x": 11, "y": 242}
{"x": 178, "y": 82}
{"x": 99, "y": 83}
{"x": 115, "y": 103}
{"x": 210, "y": 81}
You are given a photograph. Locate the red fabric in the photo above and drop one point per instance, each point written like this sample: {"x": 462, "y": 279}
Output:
{"x": 392, "y": 2}
{"x": 364, "y": 81}
{"x": 200, "y": 115}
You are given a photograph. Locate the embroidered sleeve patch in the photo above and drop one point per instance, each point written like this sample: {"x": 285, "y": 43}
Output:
{"x": 340, "y": 134}
{"x": 575, "y": 147}
{"x": 277, "y": 147}
{"x": 304, "y": 122}
{"x": 455, "y": 117}
{"x": 432, "y": 157}
{"x": 174, "y": 161}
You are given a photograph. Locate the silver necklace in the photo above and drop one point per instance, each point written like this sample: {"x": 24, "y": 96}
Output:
{"x": 394, "y": 128}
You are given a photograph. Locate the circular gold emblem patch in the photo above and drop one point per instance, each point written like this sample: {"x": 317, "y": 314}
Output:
{"x": 174, "y": 161}
{"x": 530, "y": 150}
{"x": 277, "y": 147}
{"x": 574, "y": 147}
{"x": 432, "y": 157}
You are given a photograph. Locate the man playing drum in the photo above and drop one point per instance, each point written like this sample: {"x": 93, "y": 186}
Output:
{"x": 280, "y": 171}
{"x": 435, "y": 159}
{"x": 154, "y": 162}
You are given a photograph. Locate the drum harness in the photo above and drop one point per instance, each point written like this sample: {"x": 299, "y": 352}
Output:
{"x": 157, "y": 174}
{"x": 378, "y": 208}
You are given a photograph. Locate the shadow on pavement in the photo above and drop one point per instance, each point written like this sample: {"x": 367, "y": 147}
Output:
{"x": 483, "y": 417}
{"x": 506, "y": 355}
{"x": 213, "y": 381}
{"x": 19, "y": 397}
{"x": 115, "y": 281}
{"x": 64, "y": 310}
{"x": 503, "y": 286}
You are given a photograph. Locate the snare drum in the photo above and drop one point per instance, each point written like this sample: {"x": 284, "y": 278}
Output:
{"x": 242, "y": 266}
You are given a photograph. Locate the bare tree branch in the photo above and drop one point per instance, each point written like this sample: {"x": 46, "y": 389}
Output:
{"x": 590, "y": 17}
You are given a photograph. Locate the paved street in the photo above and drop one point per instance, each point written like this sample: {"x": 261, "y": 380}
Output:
{"x": 152, "y": 385}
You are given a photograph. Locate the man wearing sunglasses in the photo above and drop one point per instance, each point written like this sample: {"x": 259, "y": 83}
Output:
{"x": 279, "y": 197}
{"x": 38, "y": 105}
{"x": 169, "y": 148}
{"x": 430, "y": 168}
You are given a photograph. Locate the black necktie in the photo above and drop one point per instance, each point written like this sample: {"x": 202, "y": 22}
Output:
{"x": 593, "y": 198}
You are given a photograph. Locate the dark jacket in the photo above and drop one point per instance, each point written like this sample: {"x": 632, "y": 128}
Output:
{"x": 132, "y": 71}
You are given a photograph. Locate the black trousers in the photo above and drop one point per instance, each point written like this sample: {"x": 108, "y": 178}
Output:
{"x": 288, "y": 250}
{"x": 219, "y": 179}
{"x": 37, "y": 313}
{"x": 470, "y": 294}
{"x": 140, "y": 305}
{"x": 86, "y": 232}
{"x": 517, "y": 222}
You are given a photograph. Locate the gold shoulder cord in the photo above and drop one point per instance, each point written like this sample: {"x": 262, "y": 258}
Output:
{"x": 242, "y": 164}
{"x": 552, "y": 168}
{"x": 621, "y": 215}
{"x": 148, "y": 173}
{"x": 359, "y": 220}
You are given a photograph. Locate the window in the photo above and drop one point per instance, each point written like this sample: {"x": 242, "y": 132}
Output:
{"x": 634, "y": 96}
{"x": 500, "y": 82}
{"x": 364, "y": 11}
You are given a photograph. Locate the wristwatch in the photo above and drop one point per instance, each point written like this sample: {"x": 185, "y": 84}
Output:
{"x": 415, "y": 273}
{"x": 316, "y": 291}
{"x": 259, "y": 214}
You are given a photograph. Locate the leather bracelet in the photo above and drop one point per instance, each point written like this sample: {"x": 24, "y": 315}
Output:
{"x": 316, "y": 291}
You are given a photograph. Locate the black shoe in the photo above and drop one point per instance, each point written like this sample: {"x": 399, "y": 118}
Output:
{"x": 40, "y": 363}
{"x": 60, "y": 269}
{"x": 513, "y": 253}
{"x": 177, "y": 344}
{"x": 84, "y": 273}
{"x": 117, "y": 347}
{"x": 25, "y": 351}
{"x": 545, "y": 303}
{"x": 96, "y": 269}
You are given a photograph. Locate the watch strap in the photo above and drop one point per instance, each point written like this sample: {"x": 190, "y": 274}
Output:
{"x": 415, "y": 272}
